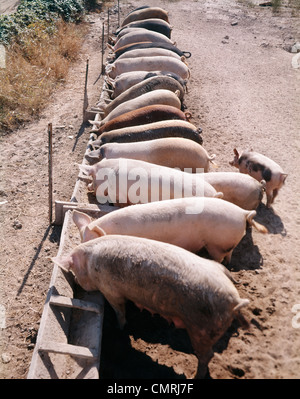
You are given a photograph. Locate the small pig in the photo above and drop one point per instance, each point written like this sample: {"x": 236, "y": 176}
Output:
{"x": 174, "y": 152}
{"x": 190, "y": 223}
{"x": 261, "y": 167}
{"x": 195, "y": 294}
{"x": 238, "y": 188}
{"x": 124, "y": 182}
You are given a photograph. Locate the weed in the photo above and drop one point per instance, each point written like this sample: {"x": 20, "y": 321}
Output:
{"x": 36, "y": 62}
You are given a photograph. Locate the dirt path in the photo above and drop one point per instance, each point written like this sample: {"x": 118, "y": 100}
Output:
{"x": 244, "y": 93}
{"x": 8, "y": 6}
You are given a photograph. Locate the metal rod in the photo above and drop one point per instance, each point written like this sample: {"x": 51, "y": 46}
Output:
{"x": 50, "y": 171}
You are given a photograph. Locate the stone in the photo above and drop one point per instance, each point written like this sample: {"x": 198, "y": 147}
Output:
{"x": 266, "y": 4}
{"x": 17, "y": 225}
{"x": 295, "y": 48}
{"x": 5, "y": 357}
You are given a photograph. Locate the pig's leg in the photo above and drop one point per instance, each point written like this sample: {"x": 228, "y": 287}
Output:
{"x": 202, "y": 346}
{"x": 216, "y": 253}
{"x": 275, "y": 192}
{"x": 118, "y": 305}
{"x": 269, "y": 198}
{"x": 227, "y": 258}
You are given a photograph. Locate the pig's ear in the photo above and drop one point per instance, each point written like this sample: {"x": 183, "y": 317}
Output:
{"x": 99, "y": 231}
{"x": 81, "y": 219}
{"x": 86, "y": 169}
{"x": 283, "y": 177}
{"x": 236, "y": 152}
{"x": 65, "y": 262}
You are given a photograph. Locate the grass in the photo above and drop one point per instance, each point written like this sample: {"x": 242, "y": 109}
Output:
{"x": 35, "y": 64}
{"x": 41, "y": 39}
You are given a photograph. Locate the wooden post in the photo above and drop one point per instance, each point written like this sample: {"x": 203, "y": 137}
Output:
{"x": 102, "y": 62}
{"x": 107, "y": 24}
{"x": 85, "y": 96}
{"x": 50, "y": 171}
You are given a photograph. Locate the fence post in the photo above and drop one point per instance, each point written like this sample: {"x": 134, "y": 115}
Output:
{"x": 102, "y": 62}
{"x": 50, "y": 171}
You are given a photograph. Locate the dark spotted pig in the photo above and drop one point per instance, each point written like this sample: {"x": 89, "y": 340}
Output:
{"x": 261, "y": 168}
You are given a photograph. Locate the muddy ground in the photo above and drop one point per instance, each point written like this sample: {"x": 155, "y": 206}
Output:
{"x": 244, "y": 93}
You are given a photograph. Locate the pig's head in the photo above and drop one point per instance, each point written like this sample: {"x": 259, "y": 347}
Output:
{"x": 76, "y": 262}
{"x": 89, "y": 171}
{"x": 110, "y": 70}
{"x": 235, "y": 161}
{"x": 93, "y": 156}
{"x": 86, "y": 230}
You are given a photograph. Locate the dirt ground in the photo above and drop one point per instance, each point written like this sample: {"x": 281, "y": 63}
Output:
{"x": 8, "y": 6}
{"x": 244, "y": 93}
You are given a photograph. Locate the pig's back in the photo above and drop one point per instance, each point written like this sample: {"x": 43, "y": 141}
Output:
{"x": 135, "y": 267}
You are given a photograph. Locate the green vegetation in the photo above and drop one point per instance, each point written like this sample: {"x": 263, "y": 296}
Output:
{"x": 30, "y": 12}
{"x": 41, "y": 39}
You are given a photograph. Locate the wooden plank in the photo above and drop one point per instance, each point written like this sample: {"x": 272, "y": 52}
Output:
{"x": 61, "y": 207}
{"x": 67, "y": 349}
{"x": 60, "y": 300}
{"x": 79, "y": 328}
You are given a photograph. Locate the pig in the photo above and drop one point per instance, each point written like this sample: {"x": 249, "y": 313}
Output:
{"x": 125, "y": 182}
{"x": 149, "y": 63}
{"x": 154, "y": 24}
{"x": 261, "y": 168}
{"x": 143, "y": 116}
{"x": 150, "y": 45}
{"x": 128, "y": 79}
{"x": 174, "y": 152}
{"x": 138, "y": 36}
{"x": 190, "y": 223}
{"x": 194, "y": 293}
{"x": 147, "y": 85}
{"x": 145, "y": 13}
{"x": 161, "y": 96}
{"x": 240, "y": 189}
{"x": 151, "y": 131}
{"x": 123, "y": 32}
{"x": 137, "y": 8}
{"x": 149, "y": 52}
{"x": 124, "y": 82}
